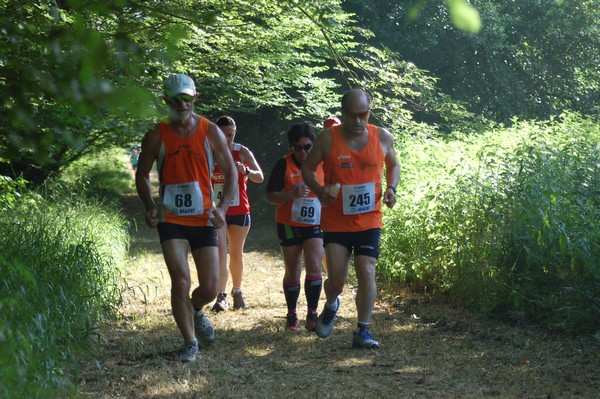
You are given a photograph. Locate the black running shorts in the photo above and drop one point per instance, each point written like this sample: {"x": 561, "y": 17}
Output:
{"x": 364, "y": 242}
{"x": 197, "y": 236}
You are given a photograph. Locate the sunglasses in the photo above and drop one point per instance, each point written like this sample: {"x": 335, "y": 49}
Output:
{"x": 354, "y": 115}
{"x": 305, "y": 147}
{"x": 186, "y": 98}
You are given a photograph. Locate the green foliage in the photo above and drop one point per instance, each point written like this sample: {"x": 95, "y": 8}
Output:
{"x": 63, "y": 75}
{"x": 508, "y": 221}
{"x": 79, "y": 76}
{"x": 82, "y": 76}
{"x": 10, "y": 192}
{"x": 60, "y": 265}
{"x": 401, "y": 92}
{"x": 531, "y": 59}
{"x": 98, "y": 176}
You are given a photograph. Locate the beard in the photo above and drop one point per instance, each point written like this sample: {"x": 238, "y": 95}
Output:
{"x": 179, "y": 116}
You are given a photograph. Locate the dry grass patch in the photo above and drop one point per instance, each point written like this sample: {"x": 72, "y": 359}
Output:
{"x": 428, "y": 350}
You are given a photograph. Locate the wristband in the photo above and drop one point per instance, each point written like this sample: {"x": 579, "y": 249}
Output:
{"x": 392, "y": 188}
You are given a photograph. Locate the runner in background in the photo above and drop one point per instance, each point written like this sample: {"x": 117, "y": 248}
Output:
{"x": 238, "y": 220}
{"x": 134, "y": 156}
{"x": 298, "y": 216}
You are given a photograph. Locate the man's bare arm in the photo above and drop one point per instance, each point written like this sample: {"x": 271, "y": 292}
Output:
{"x": 147, "y": 157}
{"x": 392, "y": 167}
{"x": 224, "y": 159}
{"x": 318, "y": 154}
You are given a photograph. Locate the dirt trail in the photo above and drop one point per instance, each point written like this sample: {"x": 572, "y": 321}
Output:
{"x": 428, "y": 351}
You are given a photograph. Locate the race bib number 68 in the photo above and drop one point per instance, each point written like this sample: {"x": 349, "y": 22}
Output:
{"x": 183, "y": 199}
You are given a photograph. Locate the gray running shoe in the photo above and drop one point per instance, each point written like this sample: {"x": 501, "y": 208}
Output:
{"x": 189, "y": 352}
{"x": 204, "y": 328}
{"x": 364, "y": 339}
{"x": 221, "y": 303}
{"x": 324, "y": 324}
{"x": 238, "y": 300}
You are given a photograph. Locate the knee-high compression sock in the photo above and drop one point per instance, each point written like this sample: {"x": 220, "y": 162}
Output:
{"x": 312, "y": 290}
{"x": 291, "y": 290}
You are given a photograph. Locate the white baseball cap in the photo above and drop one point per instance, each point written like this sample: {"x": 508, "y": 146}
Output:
{"x": 178, "y": 84}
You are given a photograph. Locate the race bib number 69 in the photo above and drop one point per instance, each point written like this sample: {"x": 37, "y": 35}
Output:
{"x": 306, "y": 210}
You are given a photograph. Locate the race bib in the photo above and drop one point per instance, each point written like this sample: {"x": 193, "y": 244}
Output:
{"x": 218, "y": 188}
{"x": 183, "y": 199}
{"x": 306, "y": 210}
{"x": 358, "y": 198}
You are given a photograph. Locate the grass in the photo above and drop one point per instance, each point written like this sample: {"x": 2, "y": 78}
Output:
{"x": 59, "y": 257}
{"x": 429, "y": 348}
{"x": 507, "y": 222}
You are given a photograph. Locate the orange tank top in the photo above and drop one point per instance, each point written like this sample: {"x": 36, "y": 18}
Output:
{"x": 185, "y": 165}
{"x": 303, "y": 211}
{"x": 358, "y": 205}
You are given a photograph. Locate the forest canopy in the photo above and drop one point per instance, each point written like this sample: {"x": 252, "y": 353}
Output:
{"x": 80, "y": 75}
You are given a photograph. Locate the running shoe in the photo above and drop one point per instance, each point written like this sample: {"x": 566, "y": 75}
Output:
{"x": 238, "y": 300}
{"x": 221, "y": 303}
{"x": 364, "y": 339}
{"x": 204, "y": 328}
{"x": 311, "y": 320}
{"x": 324, "y": 324}
{"x": 189, "y": 352}
{"x": 292, "y": 322}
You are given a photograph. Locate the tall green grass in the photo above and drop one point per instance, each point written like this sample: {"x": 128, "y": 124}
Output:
{"x": 60, "y": 256}
{"x": 508, "y": 221}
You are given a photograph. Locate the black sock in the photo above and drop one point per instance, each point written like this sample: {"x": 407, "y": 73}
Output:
{"x": 312, "y": 289}
{"x": 292, "y": 292}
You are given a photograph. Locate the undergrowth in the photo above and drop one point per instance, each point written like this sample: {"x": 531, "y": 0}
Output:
{"x": 60, "y": 258}
{"x": 507, "y": 221}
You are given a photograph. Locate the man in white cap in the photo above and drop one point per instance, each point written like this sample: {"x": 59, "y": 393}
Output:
{"x": 186, "y": 148}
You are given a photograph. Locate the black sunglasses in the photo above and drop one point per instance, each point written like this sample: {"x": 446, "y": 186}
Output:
{"x": 305, "y": 147}
{"x": 186, "y": 98}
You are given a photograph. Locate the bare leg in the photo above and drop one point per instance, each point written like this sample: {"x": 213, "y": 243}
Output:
{"x": 338, "y": 260}
{"x": 367, "y": 287}
{"x": 313, "y": 256}
{"x": 175, "y": 253}
{"x": 222, "y": 248}
{"x": 237, "y": 238}
{"x": 292, "y": 259}
{"x": 207, "y": 265}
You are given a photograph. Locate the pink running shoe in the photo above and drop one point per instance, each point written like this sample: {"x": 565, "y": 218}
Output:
{"x": 292, "y": 322}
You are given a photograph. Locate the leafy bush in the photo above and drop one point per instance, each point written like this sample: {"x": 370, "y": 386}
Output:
{"x": 59, "y": 261}
{"x": 96, "y": 176}
{"x": 508, "y": 221}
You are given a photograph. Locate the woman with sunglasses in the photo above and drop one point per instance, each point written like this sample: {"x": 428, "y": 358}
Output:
{"x": 298, "y": 216}
{"x": 237, "y": 219}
